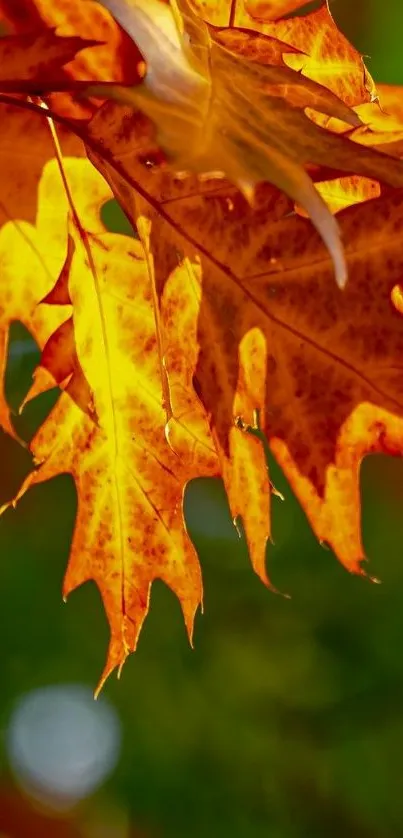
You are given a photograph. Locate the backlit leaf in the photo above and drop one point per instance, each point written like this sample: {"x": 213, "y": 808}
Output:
{"x": 130, "y": 528}
{"x": 25, "y": 150}
{"x": 33, "y": 56}
{"x": 275, "y": 335}
{"x": 218, "y": 330}
{"x": 216, "y": 112}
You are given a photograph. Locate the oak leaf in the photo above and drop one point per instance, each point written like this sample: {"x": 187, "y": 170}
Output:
{"x": 216, "y": 111}
{"x": 26, "y": 148}
{"x": 323, "y": 53}
{"x": 129, "y": 528}
{"x": 114, "y": 58}
{"x": 275, "y": 335}
{"x": 33, "y": 56}
{"x": 176, "y": 352}
{"x": 382, "y": 121}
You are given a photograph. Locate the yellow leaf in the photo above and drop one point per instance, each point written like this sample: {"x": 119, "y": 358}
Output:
{"x": 26, "y": 201}
{"x": 130, "y": 482}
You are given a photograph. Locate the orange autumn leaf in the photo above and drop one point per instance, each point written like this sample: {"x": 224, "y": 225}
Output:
{"x": 382, "y": 121}
{"x": 130, "y": 528}
{"x": 22, "y": 254}
{"x": 340, "y": 193}
{"x": 174, "y": 353}
{"x": 33, "y": 56}
{"x": 272, "y": 9}
{"x": 113, "y": 59}
{"x": 382, "y": 128}
{"x": 275, "y": 335}
{"x": 325, "y": 54}
{"x": 313, "y": 45}
{"x": 244, "y": 12}
{"x": 214, "y": 111}
{"x": 391, "y": 100}
{"x": 128, "y": 144}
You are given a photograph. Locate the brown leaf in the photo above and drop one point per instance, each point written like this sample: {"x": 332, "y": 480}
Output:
{"x": 216, "y": 112}
{"x": 274, "y": 334}
{"x": 115, "y": 58}
{"x": 112, "y": 60}
{"x": 33, "y": 56}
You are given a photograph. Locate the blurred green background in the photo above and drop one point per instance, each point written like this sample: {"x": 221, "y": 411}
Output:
{"x": 286, "y": 721}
